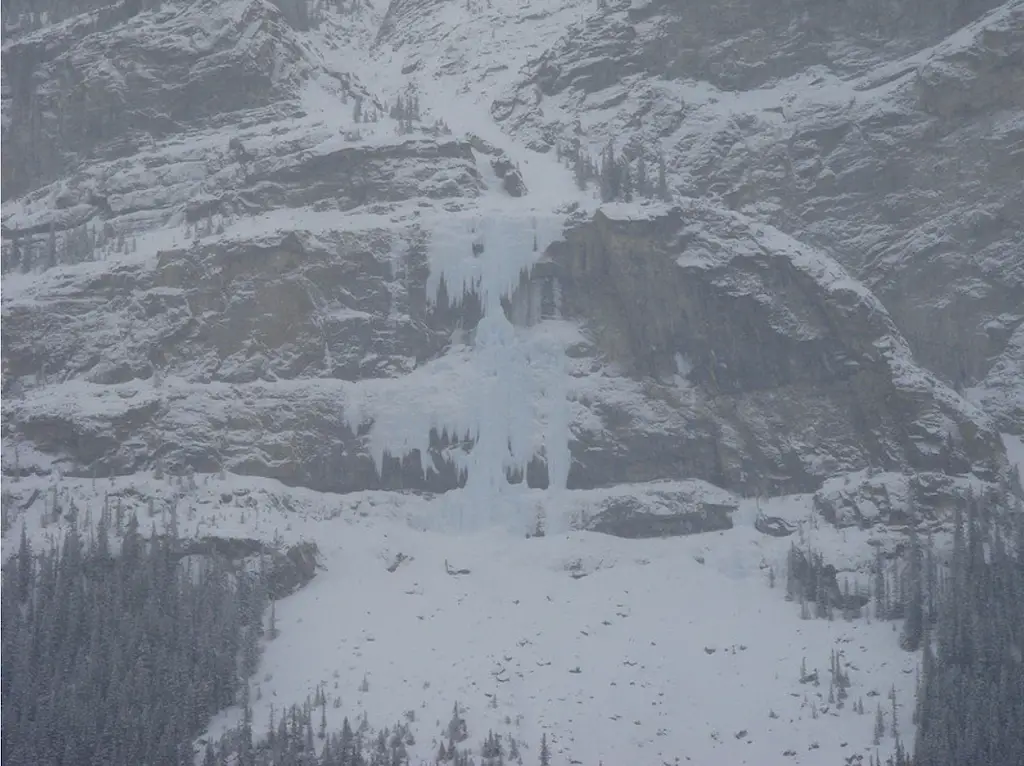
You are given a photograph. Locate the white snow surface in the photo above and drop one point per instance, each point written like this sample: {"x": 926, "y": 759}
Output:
{"x": 674, "y": 659}
{"x": 622, "y": 651}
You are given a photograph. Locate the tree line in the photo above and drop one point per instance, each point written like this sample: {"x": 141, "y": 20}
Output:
{"x": 120, "y": 660}
{"x": 963, "y": 609}
{"x": 968, "y": 617}
{"x": 625, "y": 176}
{"x": 295, "y": 739}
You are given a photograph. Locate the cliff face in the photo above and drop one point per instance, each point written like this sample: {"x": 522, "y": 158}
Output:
{"x": 104, "y": 82}
{"x": 220, "y": 235}
{"x": 785, "y": 370}
{"x": 708, "y": 346}
{"x": 230, "y": 354}
{"x": 886, "y": 134}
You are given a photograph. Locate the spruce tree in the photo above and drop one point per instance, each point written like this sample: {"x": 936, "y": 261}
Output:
{"x": 642, "y": 181}
{"x": 128, "y": 638}
{"x": 626, "y": 181}
{"x": 662, "y": 186}
{"x": 970, "y": 697}
{"x": 913, "y": 624}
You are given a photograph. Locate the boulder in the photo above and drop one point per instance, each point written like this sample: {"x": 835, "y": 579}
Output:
{"x": 659, "y": 509}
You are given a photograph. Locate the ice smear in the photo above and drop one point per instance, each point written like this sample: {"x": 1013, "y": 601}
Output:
{"x": 515, "y": 407}
{"x": 486, "y": 256}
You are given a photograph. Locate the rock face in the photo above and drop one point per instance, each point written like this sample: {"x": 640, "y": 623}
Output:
{"x": 895, "y": 152}
{"x": 290, "y": 307}
{"x": 78, "y": 91}
{"x": 867, "y": 498}
{"x": 660, "y": 511}
{"x": 286, "y": 570}
{"x": 781, "y": 369}
{"x": 730, "y": 353}
{"x": 1000, "y": 392}
{"x": 217, "y": 242}
{"x": 229, "y": 355}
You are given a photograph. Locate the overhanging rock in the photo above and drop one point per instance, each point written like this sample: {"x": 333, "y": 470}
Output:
{"x": 661, "y": 509}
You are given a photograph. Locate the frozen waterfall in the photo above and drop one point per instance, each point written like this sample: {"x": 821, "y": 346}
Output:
{"x": 505, "y": 393}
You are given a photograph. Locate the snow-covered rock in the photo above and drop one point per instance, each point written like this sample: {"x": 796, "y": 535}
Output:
{"x": 867, "y": 498}
{"x": 272, "y": 258}
{"x": 658, "y": 509}
{"x": 248, "y": 296}
{"x": 794, "y": 370}
{"x": 895, "y": 152}
{"x": 1001, "y": 391}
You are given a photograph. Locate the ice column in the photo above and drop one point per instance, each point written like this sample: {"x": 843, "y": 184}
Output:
{"x": 515, "y": 402}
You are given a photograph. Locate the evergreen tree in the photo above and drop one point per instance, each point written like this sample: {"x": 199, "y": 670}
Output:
{"x": 105, "y": 642}
{"x": 881, "y": 605}
{"x": 879, "y": 726}
{"x": 643, "y": 183}
{"x": 626, "y": 182}
{"x": 27, "y": 256}
{"x": 608, "y": 176}
{"x": 25, "y": 568}
{"x": 579, "y": 170}
{"x": 970, "y": 699}
{"x": 50, "y": 259}
{"x": 913, "y": 624}
{"x": 513, "y": 750}
{"x": 662, "y": 185}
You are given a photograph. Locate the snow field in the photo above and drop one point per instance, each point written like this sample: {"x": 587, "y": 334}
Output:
{"x": 649, "y": 654}
{"x": 656, "y": 628}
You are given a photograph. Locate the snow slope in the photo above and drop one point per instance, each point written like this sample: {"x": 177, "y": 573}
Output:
{"x": 620, "y": 650}
{"x": 664, "y": 650}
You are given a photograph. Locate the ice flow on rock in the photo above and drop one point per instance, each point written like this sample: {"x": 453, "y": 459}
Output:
{"x": 507, "y": 390}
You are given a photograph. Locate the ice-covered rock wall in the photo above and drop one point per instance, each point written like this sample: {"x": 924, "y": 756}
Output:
{"x": 508, "y": 405}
